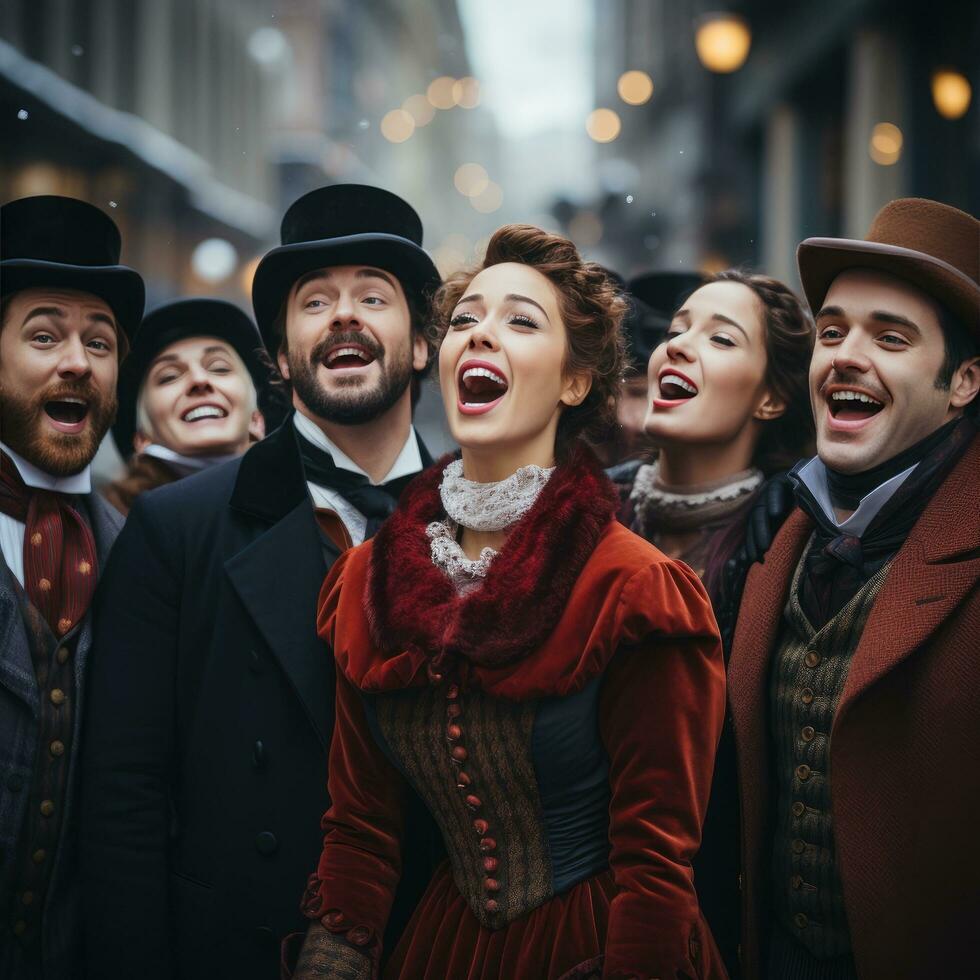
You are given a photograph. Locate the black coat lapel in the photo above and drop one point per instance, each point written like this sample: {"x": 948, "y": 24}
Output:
{"x": 279, "y": 574}
{"x": 278, "y": 578}
{"x": 270, "y": 479}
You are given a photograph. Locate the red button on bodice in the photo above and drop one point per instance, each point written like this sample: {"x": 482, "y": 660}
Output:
{"x": 481, "y": 826}
{"x": 491, "y": 905}
{"x": 462, "y": 780}
{"x": 454, "y": 711}
{"x": 474, "y": 802}
{"x": 491, "y": 884}
{"x": 488, "y": 844}
{"x": 460, "y": 754}
{"x": 490, "y": 864}
{"x": 453, "y": 732}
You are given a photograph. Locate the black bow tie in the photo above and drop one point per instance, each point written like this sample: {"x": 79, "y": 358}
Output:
{"x": 376, "y": 503}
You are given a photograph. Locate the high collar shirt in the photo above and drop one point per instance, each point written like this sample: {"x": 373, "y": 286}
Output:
{"x": 12, "y": 530}
{"x": 408, "y": 461}
{"x": 814, "y": 476}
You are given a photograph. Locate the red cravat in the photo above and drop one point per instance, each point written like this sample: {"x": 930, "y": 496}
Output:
{"x": 59, "y": 550}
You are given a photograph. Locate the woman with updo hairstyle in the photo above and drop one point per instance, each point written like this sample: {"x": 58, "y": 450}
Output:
{"x": 550, "y": 684}
{"x": 728, "y": 409}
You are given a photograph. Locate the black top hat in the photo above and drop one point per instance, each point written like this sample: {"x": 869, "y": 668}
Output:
{"x": 654, "y": 298}
{"x": 59, "y": 241}
{"x": 177, "y": 321}
{"x": 344, "y": 224}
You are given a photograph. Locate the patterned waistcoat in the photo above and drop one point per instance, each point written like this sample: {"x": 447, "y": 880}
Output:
{"x": 807, "y": 679}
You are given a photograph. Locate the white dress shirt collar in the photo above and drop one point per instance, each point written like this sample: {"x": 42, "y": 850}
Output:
{"x": 79, "y": 483}
{"x": 409, "y": 460}
{"x": 814, "y": 476}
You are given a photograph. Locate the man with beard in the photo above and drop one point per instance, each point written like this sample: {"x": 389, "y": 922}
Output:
{"x": 854, "y": 673}
{"x": 65, "y": 307}
{"x": 212, "y": 698}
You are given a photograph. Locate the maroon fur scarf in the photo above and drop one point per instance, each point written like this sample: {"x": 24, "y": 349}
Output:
{"x": 413, "y": 605}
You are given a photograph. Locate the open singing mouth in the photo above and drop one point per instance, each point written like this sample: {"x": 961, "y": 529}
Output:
{"x": 852, "y": 404}
{"x": 348, "y": 356}
{"x": 480, "y": 383}
{"x": 200, "y": 412}
{"x": 675, "y": 387}
{"x": 67, "y": 411}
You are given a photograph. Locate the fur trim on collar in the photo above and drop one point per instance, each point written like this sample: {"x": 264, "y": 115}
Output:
{"x": 413, "y": 605}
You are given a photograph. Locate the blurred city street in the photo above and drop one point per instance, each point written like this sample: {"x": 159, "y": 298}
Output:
{"x": 656, "y": 135}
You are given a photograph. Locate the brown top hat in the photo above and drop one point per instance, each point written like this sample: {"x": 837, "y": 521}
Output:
{"x": 931, "y": 245}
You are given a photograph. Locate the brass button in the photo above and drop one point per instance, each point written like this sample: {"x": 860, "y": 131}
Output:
{"x": 84, "y": 568}
{"x": 39, "y": 855}
{"x": 20, "y": 927}
{"x": 806, "y": 696}
{"x": 798, "y": 809}
{"x": 63, "y": 655}
{"x": 57, "y": 747}
{"x": 36, "y": 539}
{"x": 808, "y": 733}
{"x": 27, "y": 898}
{"x": 58, "y": 696}
{"x": 64, "y": 625}
{"x": 801, "y": 920}
{"x": 47, "y": 808}
{"x": 44, "y": 584}
{"x": 798, "y": 846}
{"x": 812, "y": 658}
{"x": 803, "y": 773}
{"x": 796, "y": 882}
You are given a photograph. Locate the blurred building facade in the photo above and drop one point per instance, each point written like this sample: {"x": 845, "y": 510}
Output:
{"x": 831, "y": 115}
{"x": 197, "y": 122}
{"x": 152, "y": 110}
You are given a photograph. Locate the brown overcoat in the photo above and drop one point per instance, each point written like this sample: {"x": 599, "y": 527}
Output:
{"x": 905, "y": 747}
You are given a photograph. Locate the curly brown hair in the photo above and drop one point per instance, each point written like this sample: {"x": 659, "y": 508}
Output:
{"x": 789, "y": 335}
{"x": 592, "y": 309}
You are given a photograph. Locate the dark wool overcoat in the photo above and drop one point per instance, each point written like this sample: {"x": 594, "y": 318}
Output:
{"x": 211, "y": 714}
{"x": 19, "y": 728}
{"x": 904, "y": 750}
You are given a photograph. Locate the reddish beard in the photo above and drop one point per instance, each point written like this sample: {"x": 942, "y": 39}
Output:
{"x": 23, "y": 429}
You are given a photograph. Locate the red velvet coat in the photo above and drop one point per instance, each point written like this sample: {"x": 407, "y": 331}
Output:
{"x": 572, "y": 597}
{"x": 905, "y": 746}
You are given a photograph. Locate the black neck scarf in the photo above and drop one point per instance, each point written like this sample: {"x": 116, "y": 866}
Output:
{"x": 838, "y": 564}
{"x": 376, "y": 503}
{"x": 847, "y": 490}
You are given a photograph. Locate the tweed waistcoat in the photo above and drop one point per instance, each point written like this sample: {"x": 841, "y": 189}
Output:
{"x": 25, "y": 888}
{"x": 807, "y": 679}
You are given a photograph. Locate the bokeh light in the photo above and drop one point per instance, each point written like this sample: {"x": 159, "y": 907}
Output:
{"x": 951, "y": 93}
{"x": 885, "y": 145}
{"x": 603, "y": 125}
{"x": 420, "y": 109}
{"x": 248, "y": 274}
{"x": 585, "y": 229}
{"x": 214, "y": 260}
{"x": 449, "y": 257}
{"x": 722, "y": 42}
{"x": 471, "y": 179}
{"x": 397, "y": 126}
{"x": 635, "y": 87}
{"x": 466, "y": 92}
{"x": 440, "y": 92}
{"x": 489, "y": 199}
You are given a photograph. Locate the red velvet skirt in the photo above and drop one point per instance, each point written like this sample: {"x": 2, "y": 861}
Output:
{"x": 563, "y": 938}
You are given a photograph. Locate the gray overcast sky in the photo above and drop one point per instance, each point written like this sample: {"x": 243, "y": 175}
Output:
{"x": 534, "y": 60}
